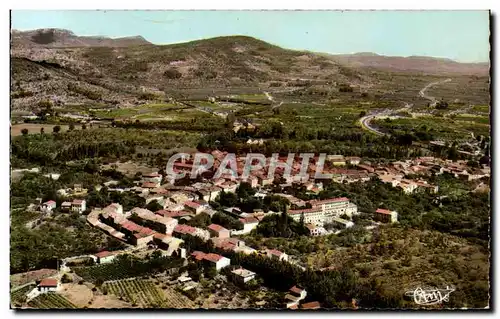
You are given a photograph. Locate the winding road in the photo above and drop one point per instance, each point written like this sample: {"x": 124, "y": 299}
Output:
{"x": 431, "y": 98}
{"x": 365, "y": 120}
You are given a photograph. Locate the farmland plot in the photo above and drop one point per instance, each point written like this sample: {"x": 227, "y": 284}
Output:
{"x": 51, "y": 301}
{"x": 141, "y": 292}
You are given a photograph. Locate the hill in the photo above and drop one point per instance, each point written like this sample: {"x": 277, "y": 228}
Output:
{"x": 60, "y": 38}
{"x": 412, "y": 64}
{"x": 57, "y": 65}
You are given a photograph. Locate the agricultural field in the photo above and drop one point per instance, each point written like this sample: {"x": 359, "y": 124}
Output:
{"x": 51, "y": 301}
{"x": 438, "y": 127}
{"x": 18, "y": 297}
{"x": 103, "y": 272}
{"x": 173, "y": 299}
{"x": 146, "y": 294}
{"x": 15, "y": 130}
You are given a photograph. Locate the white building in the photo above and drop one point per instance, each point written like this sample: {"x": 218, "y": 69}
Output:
{"x": 323, "y": 211}
{"x": 48, "y": 285}
{"x": 78, "y": 205}
{"x": 105, "y": 257}
{"x": 49, "y": 206}
{"x": 342, "y": 222}
{"x": 273, "y": 253}
{"x": 242, "y": 275}
{"x": 216, "y": 260}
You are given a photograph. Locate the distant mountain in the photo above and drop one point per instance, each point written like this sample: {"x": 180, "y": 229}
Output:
{"x": 57, "y": 65}
{"x": 60, "y": 38}
{"x": 412, "y": 64}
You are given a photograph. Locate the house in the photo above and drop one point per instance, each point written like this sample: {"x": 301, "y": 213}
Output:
{"x": 233, "y": 211}
{"x": 218, "y": 231}
{"x": 48, "y": 285}
{"x": 276, "y": 254}
{"x": 182, "y": 229}
{"x": 294, "y": 296}
{"x": 48, "y": 206}
{"x": 249, "y": 223}
{"x": 232, "y": 244}
{"x": 195, "y": 206}
{"x": 152, "y": 177}
{"x": 315, "y": 230}
{"x": 311, "y": 305}
{"x": 66, "y": 206}
{"x": 407, "y": 186}
{"x": 170, "y": 244}
{"x": 78, "y": 205}
{"x": 212, "y": 259}
{"x": 342, "y": 222}
{"x": 242, "y": 275}
{"x": 142, "y": 239}
{"x": 105, "y": 257}
{"x": 386, "y": 216}
{"x": 162, "y": 224}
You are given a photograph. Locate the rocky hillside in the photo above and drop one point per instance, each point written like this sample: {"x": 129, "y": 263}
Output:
{"x": 56, "y": 65}
{"x": 60, "y": 38}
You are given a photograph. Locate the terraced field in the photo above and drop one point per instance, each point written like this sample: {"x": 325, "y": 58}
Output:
{"x": 51, "y": 301}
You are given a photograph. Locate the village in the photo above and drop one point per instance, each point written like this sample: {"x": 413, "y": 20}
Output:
{"x": 165, "y": 228}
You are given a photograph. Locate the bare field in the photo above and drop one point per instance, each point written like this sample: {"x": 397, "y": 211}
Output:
{"x": 26, "y": 277}
{"x": 15, "y": 130}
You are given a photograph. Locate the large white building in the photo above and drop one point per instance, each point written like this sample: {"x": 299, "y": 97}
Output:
{"x": 324, "y": 211}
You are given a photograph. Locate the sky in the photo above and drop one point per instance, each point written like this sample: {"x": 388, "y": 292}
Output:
{"x": 459, "y": 35}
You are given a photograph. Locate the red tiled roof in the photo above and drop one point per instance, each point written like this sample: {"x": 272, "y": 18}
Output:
{"x": 198, "y": 255}
{"x": 168, "y": 213}
{"x": 143, "y": 234}
{"x": 102, "y": 254}
{"x": 249, "y": 220}
{"x": 275, "y": 252}
{"x": 383, "y": 211}
{"x": 48, "y": 282}
{"x": 50, "y": 202}
{"x": 212, "y": 257}
{"x": 191, "y": 204}
{"x": 149, "y": 185}
{"x": 78, "y": 201}
{"x": 216, "y": 228}
{"x": 311, "y": 305}
{"x": 66, "y": 204}
{"x": 294, "y": 307}
{"x": 328, "y": 201}
{"x": 184, "y": 229}
{"x": 151, "y": 175}
{"x": 296, "y": 290}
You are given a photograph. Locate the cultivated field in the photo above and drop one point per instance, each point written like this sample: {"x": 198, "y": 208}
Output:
{"x": 145, "y": 294}
{"x": 15, "y": 130}
{"x": 51, "y": 301}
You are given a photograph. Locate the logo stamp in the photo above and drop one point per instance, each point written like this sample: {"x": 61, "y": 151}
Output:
{"x": 430, "y": 296}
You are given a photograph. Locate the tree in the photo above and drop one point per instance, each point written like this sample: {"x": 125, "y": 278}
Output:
{"x": 71, "y": 127}
{"x": 56, "y": 129}
{"x": 42, "y": 130}
{"x": 24, "y": 131}
{"x": 362, "y": 113}
{"x": 154, "y": 206}
{"x": 84, "y": 126}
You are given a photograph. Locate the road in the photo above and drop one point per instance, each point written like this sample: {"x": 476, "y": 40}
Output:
{"x": 365, "y": 120}
{"x": 431, "y": 98}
